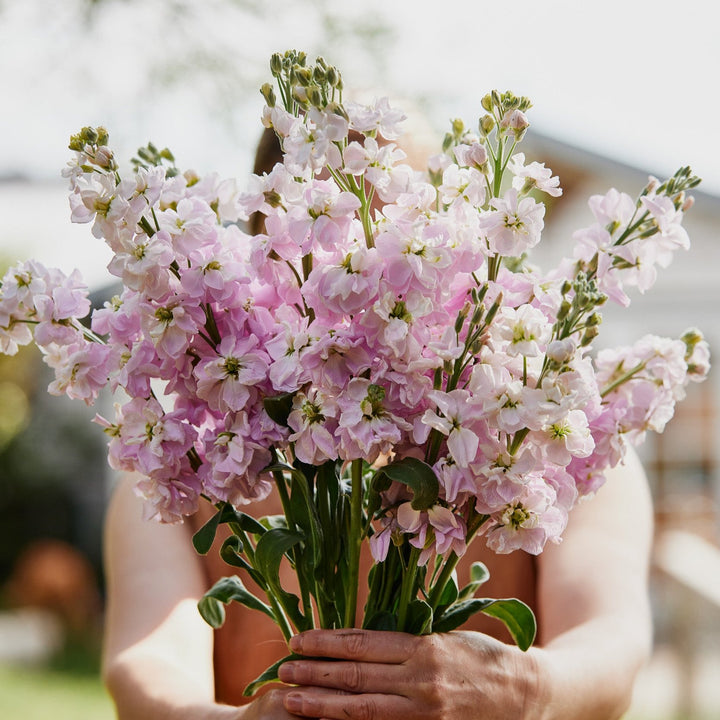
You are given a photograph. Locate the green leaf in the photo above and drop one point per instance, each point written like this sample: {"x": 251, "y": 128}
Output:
{"x": 479, "y": 574}
{"x": 449, "y": 594}
{"x": 270, "y": 675}
{"x": 278, "y": 407}
{"x": 269, "y": 552}
{"x": 517, "y": 616}
{"x": 231, "y": 552}
{"x": 457, "y": 614}
{"x": 225, "y": 590}
{"x": 382, "y": 620}
{"x": 419, "y": 619}
{"x": 418, "y": 476}
{"x": 205, "y": 536}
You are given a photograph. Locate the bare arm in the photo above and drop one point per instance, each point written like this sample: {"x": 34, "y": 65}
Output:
{"x": 593, "y": 598}
{"x": 158, "y": 661}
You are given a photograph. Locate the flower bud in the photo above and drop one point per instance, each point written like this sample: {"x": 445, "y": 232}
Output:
{"x": 332, "y": 76}
{"x": 104, "y": 158}
{"x": 314, "y": 96}
{"x": 487, "y": 103}
{"x": 561, "y": 351}
{"x": 319, "y": 75}
{"x": 269, "y": 94}
{"x": 486, "y": 124}
{"x": 458, "y": 127}
{"x": 276, "y": 64}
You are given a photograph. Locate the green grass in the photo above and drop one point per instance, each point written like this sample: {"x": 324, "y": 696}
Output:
{"x": 40, "y": 694}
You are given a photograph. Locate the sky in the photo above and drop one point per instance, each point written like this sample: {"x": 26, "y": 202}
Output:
{"x": 634, "y": 81}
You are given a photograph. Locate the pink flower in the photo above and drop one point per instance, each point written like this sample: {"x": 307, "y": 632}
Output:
{"x": 313, "y": 420}
{"x": 514, "y": 226}
{"x": 366, "y": 426}
{"x": 457, "y": 414}
{"x": 225, "y": 381}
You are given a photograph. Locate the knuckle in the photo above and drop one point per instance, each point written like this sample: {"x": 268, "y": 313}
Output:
{"x": 366, "y": 709}
{"x": 352, "y": 677}
{"x": 356, "y": 643}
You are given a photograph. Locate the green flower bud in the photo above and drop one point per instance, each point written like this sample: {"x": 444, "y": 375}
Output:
{"x": 89, "y": 135}
{"x": 319, "y": 74}
{"x": 590, "y": 334}
{"x": 269, "y": 94}
{"x": 487, "y": 103}
{"x": 564, "y": 310}
{"x": 302, "y": 75}
{"x": 276, "y": 64}
{"x": 314, "y": 96}
{"x": 486, "y": 124}
{"x": 332, "y": 76}
{"x": 458, "y": 127}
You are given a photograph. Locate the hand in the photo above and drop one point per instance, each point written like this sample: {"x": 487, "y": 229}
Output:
{"x": 269, "y": 706}
{"x": 371, "y": 675}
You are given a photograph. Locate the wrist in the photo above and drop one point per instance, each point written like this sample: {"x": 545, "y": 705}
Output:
{"x": 536, "y": 698}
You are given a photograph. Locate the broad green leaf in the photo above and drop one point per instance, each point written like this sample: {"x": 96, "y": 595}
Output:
{"x": 274, "y": 522}
{"x": 381, "y": 620}
{"x": 454, "y": 616}
{"x": 225, "y": 590}
{"x": 418, "y": 476}
{"x": 278, "y": 407}
{"x": 517, "y": 616}
{"x": 270, "y": 675}
{"x": 269, "y": 552}
{"x": 419, "y": 618}
{"x": 449, "y": 594}
{"x": 479, "y": 574}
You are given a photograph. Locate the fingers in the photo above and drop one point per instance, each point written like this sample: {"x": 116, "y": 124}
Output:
{"x": 330, "y": 705}
{"x": 353, "y": 677}
{"x": 362, "y": 645}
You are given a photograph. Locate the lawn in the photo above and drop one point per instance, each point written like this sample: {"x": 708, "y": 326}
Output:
{"x": 39, "y": 694}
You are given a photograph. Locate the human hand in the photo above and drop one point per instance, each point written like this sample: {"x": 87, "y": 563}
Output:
{"x": 372, "y": 675}
{"x": 269, "y": 706}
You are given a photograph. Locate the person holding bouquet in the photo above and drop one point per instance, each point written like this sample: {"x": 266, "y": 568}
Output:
{"x": 380, "y": 355}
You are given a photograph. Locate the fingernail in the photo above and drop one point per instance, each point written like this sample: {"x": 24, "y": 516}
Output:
{"x": 296, "y": 644}
{"x": 293, "y": 702}
{"x": 286, "y": 672}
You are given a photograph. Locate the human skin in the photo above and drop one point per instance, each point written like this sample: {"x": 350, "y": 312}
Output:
{"x": 592, "y": 609}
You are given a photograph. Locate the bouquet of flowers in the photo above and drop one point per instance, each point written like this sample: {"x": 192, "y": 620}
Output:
{"x": 381, "y": 351}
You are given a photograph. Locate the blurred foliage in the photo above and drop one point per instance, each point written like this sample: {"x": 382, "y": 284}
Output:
{"x": 197, "y": 49}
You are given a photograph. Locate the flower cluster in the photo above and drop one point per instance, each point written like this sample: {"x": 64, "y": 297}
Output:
{"x": 387, "y": 310}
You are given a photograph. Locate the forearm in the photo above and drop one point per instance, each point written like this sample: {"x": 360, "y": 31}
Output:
{"x": 589, "y": 671}
{"x": 148, "y": 687}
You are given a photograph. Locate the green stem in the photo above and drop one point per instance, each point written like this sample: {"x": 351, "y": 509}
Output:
{"x": 354, "y": 543}
{"x": 408, "y": 588}
{"x": 437, "y": 590}
{"x": 622, "y": 379}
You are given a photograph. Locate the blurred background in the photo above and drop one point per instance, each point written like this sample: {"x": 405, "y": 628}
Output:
{"x": 620, "y": 92}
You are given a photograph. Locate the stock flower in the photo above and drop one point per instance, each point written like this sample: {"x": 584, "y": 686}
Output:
{"x": 436, "y": 530}
{"x": 366, "y": 426}
{"x": 313, "y": 418}
{"x": 225, "y": 381}
{"x": 533, "y": 175}
{"x": 376, "y": 118}
{"x": 515, "y": 224}
{"x": 524, "y": 331}
{"x": 457, "y": 415}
